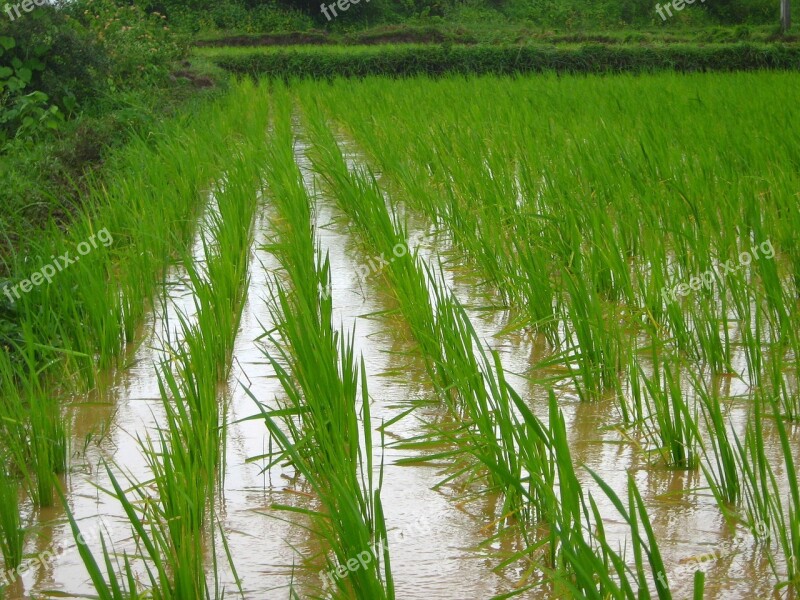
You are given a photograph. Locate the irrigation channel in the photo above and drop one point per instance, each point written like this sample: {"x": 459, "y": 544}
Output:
{"x": 426, "y": 343}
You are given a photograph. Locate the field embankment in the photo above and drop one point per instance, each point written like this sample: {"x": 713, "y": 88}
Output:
{"x": 322, "y": 62}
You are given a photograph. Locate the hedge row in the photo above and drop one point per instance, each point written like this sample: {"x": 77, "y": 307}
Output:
{"x": 437, "y": 60}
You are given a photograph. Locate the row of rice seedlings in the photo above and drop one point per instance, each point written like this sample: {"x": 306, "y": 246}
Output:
{"x": 584, "y": 562}
{"x": 433, "y": 175}
{"x": 598, "y": 339}
{"x": 172, "y": 573}
{"x": 318, "y": 431}
{"x": 186, "y": 461}
{"x": 171, "y": 515}
{"x": 219, "y": 283}
{"x": 328, "y": 445}
{"x": 487, "y": 425}
{"x": 477, "y": 397}
{"x": 359, "y": 197}
{"x": 188, "y": 464}
{"x": 177, "y": 504}
{"x": 531, "y": 463}
{"x": 721, "y": 468}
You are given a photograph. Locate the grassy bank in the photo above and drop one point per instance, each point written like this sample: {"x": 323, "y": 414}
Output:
{"x": 511, "y": 33}
{"x": 323, "y": 62}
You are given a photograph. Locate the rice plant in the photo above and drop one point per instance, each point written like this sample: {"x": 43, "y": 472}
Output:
{"x": 319, "y": 431}
{"x": 597, "y": 343}
{"x": 674, "y": 425}
{"x": 171, "y": 572}
{"x": 720, "y": 467}
{"x": 12, "y": 533}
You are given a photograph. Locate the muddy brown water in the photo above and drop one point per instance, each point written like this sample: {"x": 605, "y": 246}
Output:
{"x": 435, "y": 538}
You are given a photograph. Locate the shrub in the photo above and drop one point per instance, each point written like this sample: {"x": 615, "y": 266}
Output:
{"x": 60, "y": 58}
{"x": 139, "y": 45}
{"x": 270, "y": 18}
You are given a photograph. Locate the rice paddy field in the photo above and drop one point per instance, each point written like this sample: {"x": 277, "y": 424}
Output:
{"x": 465, "y": 337}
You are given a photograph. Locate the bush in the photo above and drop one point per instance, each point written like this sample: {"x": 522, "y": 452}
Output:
{"x": 740, "y": 11}
{"x": 56, "y": 59}
{"x": 66, "y": 62}
{"x": 140, "y": 46}
{"x": 270, "y": 18}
